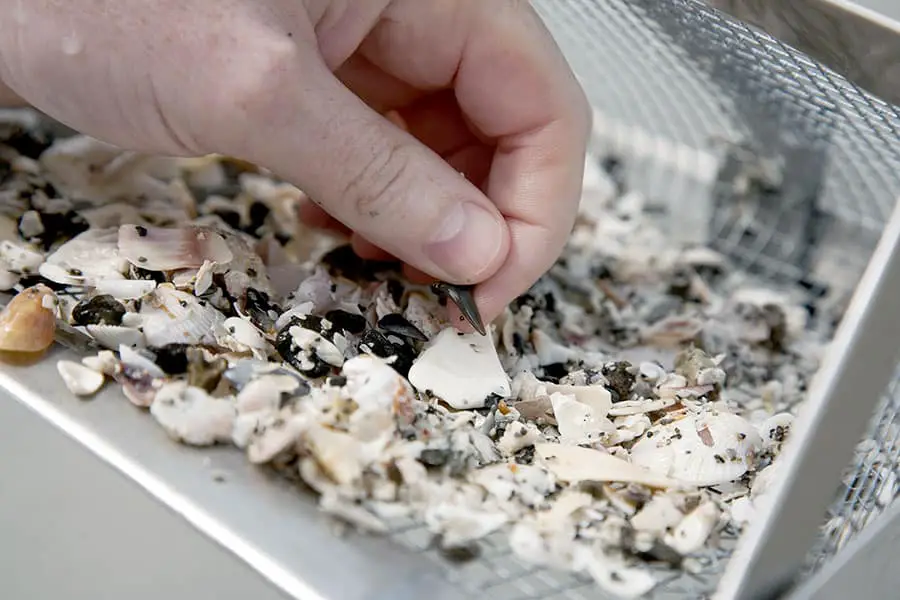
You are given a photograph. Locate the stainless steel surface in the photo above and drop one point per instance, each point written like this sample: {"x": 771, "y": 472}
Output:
{"x": 669, "y": 80}
{"x": 841, "y": 400}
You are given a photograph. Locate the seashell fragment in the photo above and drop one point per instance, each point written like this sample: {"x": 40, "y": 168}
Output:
{"x": 704, "y": 449}
{"x": 113, "y": 336}
{"x": 28, "y": 322}
{"x": 461, "y": 369}
{"x": 575, "y": 463}
{"x": 80, "y": 380}
{"x": 170, "y": 316}
{"x": 578, "y": 423}
{"x": 191, "y": 416}
{"x": 690, "y": 535}
{"x": 86, "y": 259}
{"x": 161, "y": 249}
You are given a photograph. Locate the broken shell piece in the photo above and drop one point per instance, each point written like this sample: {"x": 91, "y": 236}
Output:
{"x": 104, "y": 362}
{"x": 274, "y": 437}
{"x": 574, "y": 464}
{"x": 338, "y": 454}
{"x": 637, "y": 407}
{"x": 170, "y": 316}
{"x": 613, "y": 574}
{"x": 125, "y": 289}
{"x": 461, "y": 369}
{"x": 114, "y": 336}
{"x": 459, "y": 525}
{"x": 86, "y": 259}
{"x": 517, "y": 436}
{"x": 577, "y": 422}
{"x": 658, "y": 515}
{"x": 704, "y": 449}
{"x": 80, "y": 380}
{"x": 191, "y": 416}
{"x": 28, "y": 322}
{"x": 690, "y": 535}
{"x": 775, "y": 430}
{"x": 160, "y": 249}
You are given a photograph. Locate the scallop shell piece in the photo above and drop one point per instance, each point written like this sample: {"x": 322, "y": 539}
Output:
{"x": 462, "y": 369}
{"x": 164, "y": 249}
{"x": 28, "y": 322}
{"x": 191, "y": 416}
{"x": 574, "y": 464}
{"x": 89, "y": 257}
{"x": 701, "y": 449}
{"x": 170, "y": 316}
{"x": 81, "y": 380}
{"x": 690, "y": 535}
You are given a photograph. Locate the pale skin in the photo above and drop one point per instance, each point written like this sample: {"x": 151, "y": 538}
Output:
{"x": 479, "y": 185}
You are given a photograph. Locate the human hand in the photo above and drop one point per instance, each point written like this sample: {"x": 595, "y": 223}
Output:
{"x": 301, "y": 86}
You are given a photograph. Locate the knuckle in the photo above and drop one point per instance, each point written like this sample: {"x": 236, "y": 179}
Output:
{"x": 377, "y": 186}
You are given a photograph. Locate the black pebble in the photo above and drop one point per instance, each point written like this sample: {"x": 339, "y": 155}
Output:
{"x": 399, "y": 325}
{"x": 376, "y": 343}
{"x": 172, "y": 358}
{"x": 347, "y": 321}
{"x": 258, "y": 213}
{"x": 99, "y": 310}
{"x": 337, "y": 381}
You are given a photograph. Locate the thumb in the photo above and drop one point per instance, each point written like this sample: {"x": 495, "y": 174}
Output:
{"x": 377, "y": 179}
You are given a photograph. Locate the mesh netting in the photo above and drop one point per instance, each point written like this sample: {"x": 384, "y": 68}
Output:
{"x": 670, "y": 81}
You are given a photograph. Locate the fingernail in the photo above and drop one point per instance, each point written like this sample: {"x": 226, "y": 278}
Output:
{"x": 466, "y": 242}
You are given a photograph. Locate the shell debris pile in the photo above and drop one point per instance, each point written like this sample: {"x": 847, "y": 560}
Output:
{"x": 613, "y": 421}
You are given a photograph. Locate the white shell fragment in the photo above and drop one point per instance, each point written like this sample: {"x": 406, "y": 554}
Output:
{"x": 190, "y": 415}
{"x": 690, "y": 535}
{"x": 170, "y": 316}
{"x": 461, "y": 369}
{"x": 574, "y": 463}
{"x": 705, "y": 449}
{"x": 80, "y": 380}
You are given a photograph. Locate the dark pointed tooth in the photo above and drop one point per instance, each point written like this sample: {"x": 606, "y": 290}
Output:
{"x": 462, "y": 296}
{"x": 399, "y": 325}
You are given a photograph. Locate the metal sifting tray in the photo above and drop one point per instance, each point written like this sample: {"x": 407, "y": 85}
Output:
{"x": 94, "y": 500}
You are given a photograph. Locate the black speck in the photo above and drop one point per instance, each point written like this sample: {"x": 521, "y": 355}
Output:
{"x": 337, "y": 381}
{"x": 142, "y": 259}
{"x": 141, "y": 231}
{"x": 719, "y": 459}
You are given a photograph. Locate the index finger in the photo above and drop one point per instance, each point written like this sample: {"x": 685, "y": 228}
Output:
{"x": 515, "y": 87}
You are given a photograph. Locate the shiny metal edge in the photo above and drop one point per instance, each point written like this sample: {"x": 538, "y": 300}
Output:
{"x": 855, "y": 371}
{"x": 263, "y": 520}
{"x": 859, "y": 43}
